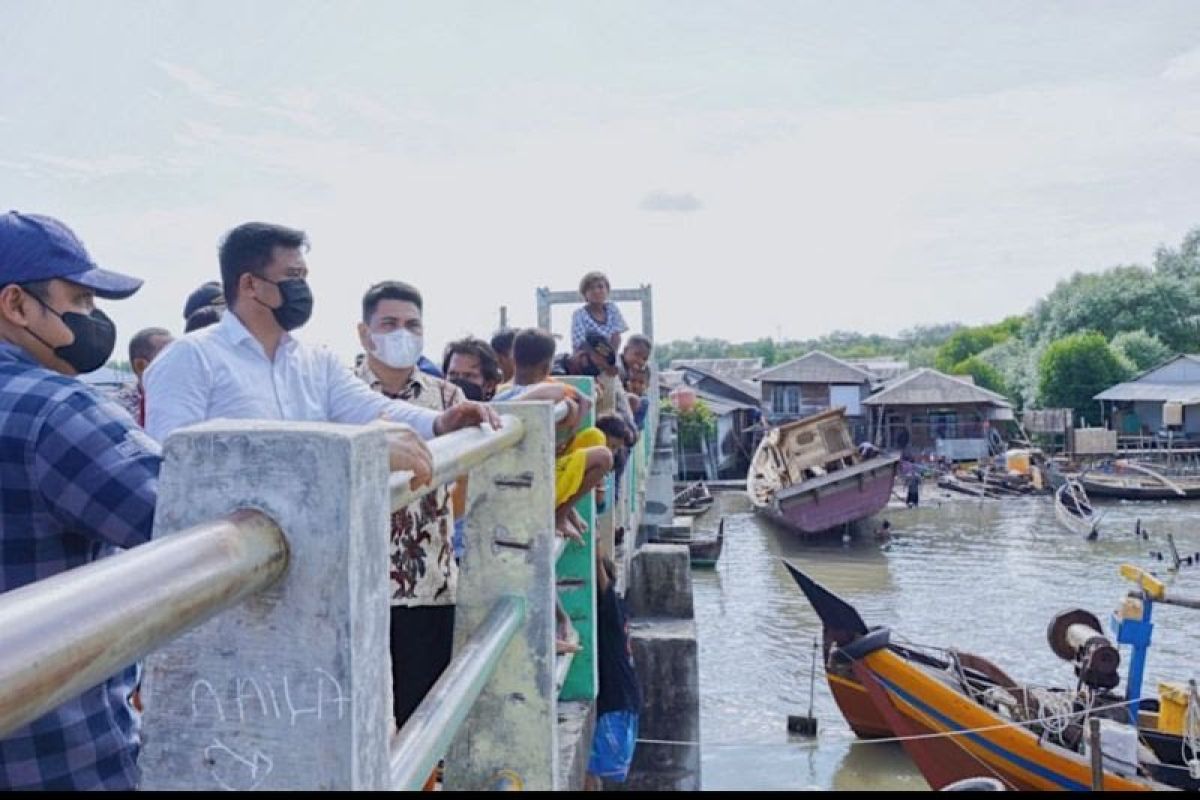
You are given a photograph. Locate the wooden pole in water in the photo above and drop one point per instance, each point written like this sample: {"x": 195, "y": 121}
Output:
{"x": 807, "y": 726}
{"x": 1096, "y": 754}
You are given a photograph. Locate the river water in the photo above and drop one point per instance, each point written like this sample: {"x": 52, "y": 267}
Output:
{"x": 986, "y": 577}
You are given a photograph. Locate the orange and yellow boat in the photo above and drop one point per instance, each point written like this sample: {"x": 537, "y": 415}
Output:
{"x": 948, "y": 711}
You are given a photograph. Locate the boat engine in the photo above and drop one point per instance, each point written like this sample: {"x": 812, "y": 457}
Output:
{"x": 1076, "y": 636}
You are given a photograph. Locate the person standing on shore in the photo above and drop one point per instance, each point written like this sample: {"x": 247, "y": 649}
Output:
{"x": 914, "y": 488}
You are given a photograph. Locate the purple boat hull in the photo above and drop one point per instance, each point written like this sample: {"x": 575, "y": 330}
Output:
{"x": 834, "y": 500}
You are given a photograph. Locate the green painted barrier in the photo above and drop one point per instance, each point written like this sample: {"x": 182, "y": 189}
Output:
{"x": 576, "y": 575}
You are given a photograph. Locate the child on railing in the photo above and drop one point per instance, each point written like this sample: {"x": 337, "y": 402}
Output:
{"x": 581, "y": 459}
{"x": 636, "y": 382}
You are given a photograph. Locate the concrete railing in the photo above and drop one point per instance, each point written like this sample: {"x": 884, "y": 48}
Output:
{"x": 261, "y": 609}
{"x": 290, "y": 687}
{"x": 67, "y": 633}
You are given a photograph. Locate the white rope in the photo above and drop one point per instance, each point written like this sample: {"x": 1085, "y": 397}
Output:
{"x": 1054, "y": 711}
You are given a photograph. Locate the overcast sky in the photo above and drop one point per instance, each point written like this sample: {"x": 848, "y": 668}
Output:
{"x": 771, "y": 168}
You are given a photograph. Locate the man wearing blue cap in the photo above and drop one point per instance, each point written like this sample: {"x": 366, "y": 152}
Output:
{"x": 79, "y": 482}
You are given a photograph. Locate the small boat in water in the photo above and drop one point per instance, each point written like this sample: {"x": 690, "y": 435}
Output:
{"x": 1074, "y": 510}
{"x": 959, "y": 716}
{"x": 1128, "y": 480}
{"x": 693, "y": 501}
{"x": 809, "y": 476}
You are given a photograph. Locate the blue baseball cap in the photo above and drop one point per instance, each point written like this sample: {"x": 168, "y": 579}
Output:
{"x": 37, "y": 248}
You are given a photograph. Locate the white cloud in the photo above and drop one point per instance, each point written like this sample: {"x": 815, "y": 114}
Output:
{"x": 88, "y": 168}
{"x": 201, "y": 86}
{"x": 683, "y": 202}
{"x": 1184, "y": 67}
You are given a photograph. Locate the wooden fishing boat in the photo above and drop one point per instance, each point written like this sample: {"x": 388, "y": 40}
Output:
{"x": 693, "y": 501}
{"x": 808, "y": 476}
{"x": 1128, "y": 480}
{"x": 959, "y": 716}
{"x": 1073, "y": 509}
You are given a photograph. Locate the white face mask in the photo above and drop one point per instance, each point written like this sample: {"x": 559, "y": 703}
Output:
{"x": 398, "y": 349}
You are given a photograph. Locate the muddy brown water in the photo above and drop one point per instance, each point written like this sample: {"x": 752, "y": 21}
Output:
{"x": 981, "y": 576}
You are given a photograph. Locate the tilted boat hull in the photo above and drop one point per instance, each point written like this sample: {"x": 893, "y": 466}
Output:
{"x": 832, "y": 501}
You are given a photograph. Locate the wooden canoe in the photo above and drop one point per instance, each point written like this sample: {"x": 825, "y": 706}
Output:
{"x": 1074, "y": 511}
{"x": 950, "y": 734}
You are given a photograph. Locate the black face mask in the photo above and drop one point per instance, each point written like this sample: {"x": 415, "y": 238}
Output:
{"x": 473, "y": 391}
{"x": 297, "y": 303}
{"x": 95, "y": 338}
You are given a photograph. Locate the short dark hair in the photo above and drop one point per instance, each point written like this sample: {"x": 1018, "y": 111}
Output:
{"x": 593, "y": 277}
{"x": 640, "y": 340}
{"x": 502, "y": 341}
{"x": 470, "y": 346}
{"x": 613, "y": 426}
{"x": 202, "y": 318}
{"x": 390, "y": 290}
{"x": 142, "y": 343}
{"x": 207, "y": 294}
{"x": 533, "y": 347}
{"x": 249, "y": 247}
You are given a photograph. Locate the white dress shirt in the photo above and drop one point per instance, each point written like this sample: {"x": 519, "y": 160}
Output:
{"x": 222, "y": 372}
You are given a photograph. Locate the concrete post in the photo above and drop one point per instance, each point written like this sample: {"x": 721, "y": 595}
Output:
{"x": 664, "y": 643}
{"x": 543, "y": 307}
{"x": 666, "y": 653}
{"x": 660, "y": 582}
{"x": 511, "y": 736}
{"x": 660, "y": 477}
{"x": 647, "y": 311}
{"x": 291, "y": 689}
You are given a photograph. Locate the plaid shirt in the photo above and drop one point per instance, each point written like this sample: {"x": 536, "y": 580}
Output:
{"x": 78, "y": 480}
{"x": 582, "y": 324}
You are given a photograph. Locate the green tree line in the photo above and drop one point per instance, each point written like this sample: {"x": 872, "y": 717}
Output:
{"x": 1090, "y": 331}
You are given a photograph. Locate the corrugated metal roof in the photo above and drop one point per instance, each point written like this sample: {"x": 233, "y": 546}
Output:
{"x": 815, "y": 367}
{"x": 1169, "y": 361}
{"x": 752, "y": 391}
{"x": 928, "y": 387}
{"x": 1186, "y": 393}
{"x": 883, "y": 369}
{"x": 720, "y": 405}
{"x": 742, "y": 369}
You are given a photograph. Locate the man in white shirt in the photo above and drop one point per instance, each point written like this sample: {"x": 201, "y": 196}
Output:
{"x": 248, "y": 366}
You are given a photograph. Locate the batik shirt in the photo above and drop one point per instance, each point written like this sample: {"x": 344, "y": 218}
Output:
{"x": 423, "y": 569}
